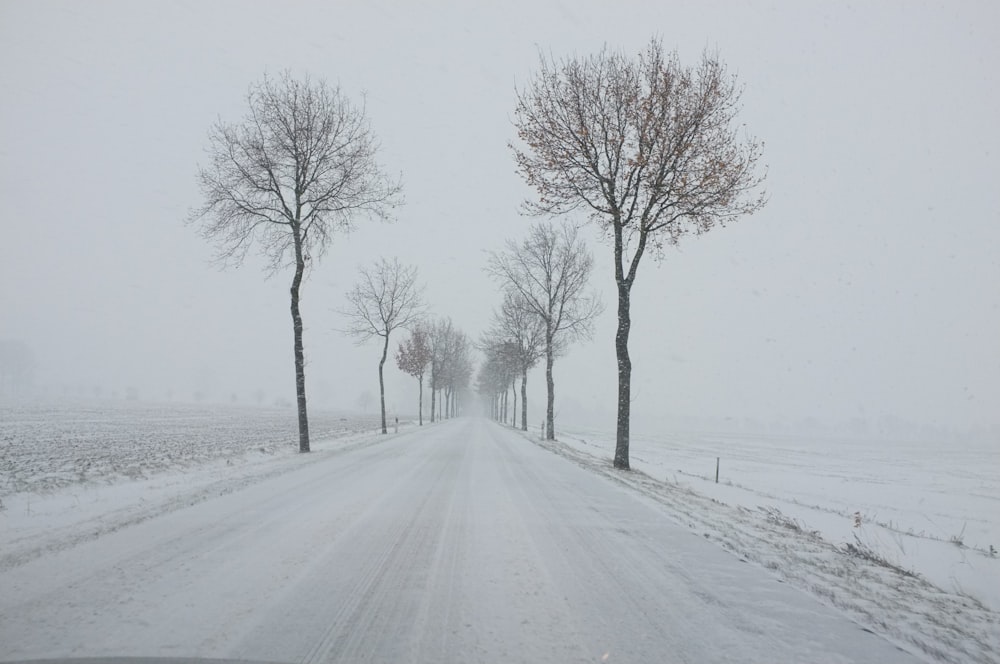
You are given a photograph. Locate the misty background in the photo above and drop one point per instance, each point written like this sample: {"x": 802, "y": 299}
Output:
{"x": 865, "y": 298}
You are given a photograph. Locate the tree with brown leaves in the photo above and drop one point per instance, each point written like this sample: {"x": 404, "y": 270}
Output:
{"x": 649, "y": 149}
{"x": 414, "y": 357}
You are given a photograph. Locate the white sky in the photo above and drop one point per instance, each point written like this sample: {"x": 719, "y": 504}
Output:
{"x": 869, "y": 286}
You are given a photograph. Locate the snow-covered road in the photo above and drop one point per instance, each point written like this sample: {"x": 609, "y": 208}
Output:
{"x": 460, "y": 542}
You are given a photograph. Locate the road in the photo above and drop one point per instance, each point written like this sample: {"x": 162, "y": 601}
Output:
{"x": 460, "y": 542}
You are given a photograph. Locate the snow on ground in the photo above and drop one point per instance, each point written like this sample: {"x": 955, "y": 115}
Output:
{"x": 790, "y": 506}
{"x": 74, "y": 474}
{"x": 458, "y": 542}
{"x": 71, "y": 472}
{"x": 926, "y": 509}
{"x": 46, "y": 445}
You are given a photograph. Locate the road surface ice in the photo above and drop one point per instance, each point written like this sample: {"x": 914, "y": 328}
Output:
{"x": 460, "y": 542}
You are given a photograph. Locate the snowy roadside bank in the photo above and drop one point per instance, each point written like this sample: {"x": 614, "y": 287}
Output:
{"x": 929, "y": 508}
{"x": 140, "y": 462}
{"x": 911, "y": 611}
{"x": 48, "y": 445}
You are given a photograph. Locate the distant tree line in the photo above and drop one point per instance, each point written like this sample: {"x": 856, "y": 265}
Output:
{"x": 442, "y": 353}
{"x": 546, "y": 306}
{"x": 646, "y": 150}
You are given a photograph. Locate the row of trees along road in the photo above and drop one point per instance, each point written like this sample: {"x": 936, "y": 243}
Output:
{"x": 546, "y": 306}
{"x": 443, "y": 350}
{"x": 649, "y": 150}
{"x": 512, "y": 345}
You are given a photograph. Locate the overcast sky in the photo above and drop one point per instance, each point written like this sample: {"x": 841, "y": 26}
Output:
{"x": 869, "y": 287}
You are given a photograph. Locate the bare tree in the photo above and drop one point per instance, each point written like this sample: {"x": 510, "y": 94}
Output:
{"x": 386, "y": 298}
{"x": 495, "y": 377}
{"x": 451, "y": 367}
{"x": 299, "y": 167}
{"x": 549, "y": 271}
{"x": 527, "y": 333}
{"x": 457, "y": 371}
{"x": 523, "y": 332}
{"x": 499, "y": 372}
{"x": 414, "y": 357}
{"x": 649, "y": 149}
{"x": 440, "y": 336}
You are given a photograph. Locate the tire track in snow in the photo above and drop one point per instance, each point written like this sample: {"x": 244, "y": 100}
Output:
{"x": 372, "y": 605}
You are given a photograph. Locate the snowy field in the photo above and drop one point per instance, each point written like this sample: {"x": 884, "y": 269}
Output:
{"x": 74, "y": 472}
{"x": 928, "y": 509}
{"x": 47, "y": 445}
{"x": 458, "y": 542}
{"x": 935, "y": 597}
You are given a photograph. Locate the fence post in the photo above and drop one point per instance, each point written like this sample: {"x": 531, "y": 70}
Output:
{"x": 716, "y": 470}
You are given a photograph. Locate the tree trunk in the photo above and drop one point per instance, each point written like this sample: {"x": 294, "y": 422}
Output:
{"x": 381, "y": 384}
{"x": 624, "y": 281}
{"x": 513, "y": 413}
{"x": 624, "y": 378}
{"x": 300, "y": 361}
{"x": 550, "y": 433}
{"x": 420, "y": 401}
{"x": 524, "y": 400}
{"x": 433, "y": 400}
